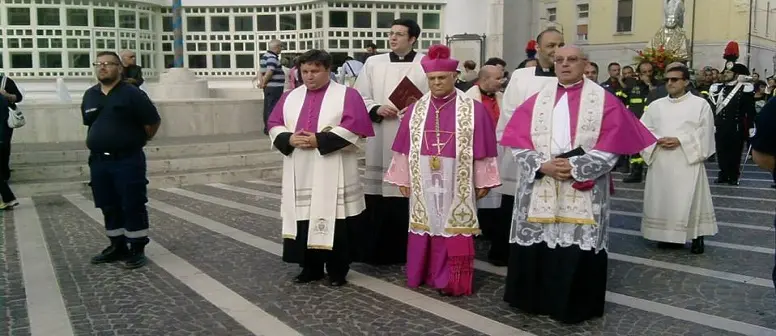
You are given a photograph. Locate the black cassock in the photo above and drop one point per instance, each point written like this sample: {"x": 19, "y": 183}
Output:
{"x": 337, "y": 260}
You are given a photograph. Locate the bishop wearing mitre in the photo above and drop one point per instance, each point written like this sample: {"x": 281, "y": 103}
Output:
{"x": 317, "y": 127}
{"x": 444, "y": 160}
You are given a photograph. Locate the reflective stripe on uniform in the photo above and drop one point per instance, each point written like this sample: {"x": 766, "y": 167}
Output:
{"x": 636, "y": 100}
{"x": 636, "y": 160}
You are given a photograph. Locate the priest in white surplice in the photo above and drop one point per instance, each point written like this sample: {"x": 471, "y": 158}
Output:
{"x": 523, "y": 84}
{"x": 565, "y": 140}
{"x": 317, "y": 127}
{"x": 677, "y": 197}
{"x": 384, "y": 237}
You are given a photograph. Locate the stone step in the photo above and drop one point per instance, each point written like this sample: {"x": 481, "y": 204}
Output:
{"x": 180, "y": 163}
{"x": 57, "y": 153}
{"x": 156, "y": 180}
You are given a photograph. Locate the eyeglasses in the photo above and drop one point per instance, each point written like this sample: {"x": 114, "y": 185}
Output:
{"x": 104, "y": 64}
{"x": 673, "y": 79}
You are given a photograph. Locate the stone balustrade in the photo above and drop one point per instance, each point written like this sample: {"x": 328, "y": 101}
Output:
{"x": 62, "y": 122}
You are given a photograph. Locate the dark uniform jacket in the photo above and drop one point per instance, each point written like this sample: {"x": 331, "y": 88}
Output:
{"x": 634, "y": 97}
{"x": 739, "y": 113}
{"x": 134, "y": 72}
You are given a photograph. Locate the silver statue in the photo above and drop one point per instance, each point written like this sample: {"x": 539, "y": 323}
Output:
{"x": 671, "y": 36}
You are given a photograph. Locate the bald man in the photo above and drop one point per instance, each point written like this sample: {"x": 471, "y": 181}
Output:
{"x": 487, "y": 91}
{"x": 273, "y": 79}
{"x": 133, "y": 73}
{"x": 566, "y": 138}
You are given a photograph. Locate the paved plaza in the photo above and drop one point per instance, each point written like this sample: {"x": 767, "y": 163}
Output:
{"x": 215, "y": 270}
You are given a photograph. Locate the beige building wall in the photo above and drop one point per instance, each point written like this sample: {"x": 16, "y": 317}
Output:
{"x": 609, "y": 32}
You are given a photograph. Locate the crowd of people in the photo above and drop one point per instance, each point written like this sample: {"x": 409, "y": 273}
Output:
{"x": 525, "y": 159}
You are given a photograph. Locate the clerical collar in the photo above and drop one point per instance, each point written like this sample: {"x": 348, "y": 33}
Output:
{"x": 568, "y": 86}
{"x": 406, "y": 58}
{"x": 541, "y": 72}
{"x": 678, "y": 99}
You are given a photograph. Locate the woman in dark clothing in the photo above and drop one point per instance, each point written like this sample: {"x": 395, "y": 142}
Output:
{"x": 9, "y": 96}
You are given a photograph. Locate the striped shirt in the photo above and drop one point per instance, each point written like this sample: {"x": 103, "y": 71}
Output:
{"x": 270, "y": 62}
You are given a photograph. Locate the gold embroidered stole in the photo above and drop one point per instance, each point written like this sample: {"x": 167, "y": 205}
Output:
{"x": 555, "y": 201}
{"x": 462, "y": 218}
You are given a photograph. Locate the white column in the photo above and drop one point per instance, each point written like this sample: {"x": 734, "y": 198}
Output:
{"x": 466, "y": 17}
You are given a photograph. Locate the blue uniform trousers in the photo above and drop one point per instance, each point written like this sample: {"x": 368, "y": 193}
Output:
{"x": 119, "y": 186}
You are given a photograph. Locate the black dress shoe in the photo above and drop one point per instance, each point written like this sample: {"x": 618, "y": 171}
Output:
{"x": 305, "y": 277}
{"x": 733, "y": 183}
{"x": 336, "y": 282}
{"x": 672, "y": 246}
{"x": 697, "y": 246}
{"x": 497, "y": 262}
{"x": 721, "y": 180}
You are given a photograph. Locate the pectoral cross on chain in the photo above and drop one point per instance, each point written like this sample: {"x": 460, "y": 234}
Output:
{"x": 439, "y": 146}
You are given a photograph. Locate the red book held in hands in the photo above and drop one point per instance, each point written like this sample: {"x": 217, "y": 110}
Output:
{"x": 405, "y": 94}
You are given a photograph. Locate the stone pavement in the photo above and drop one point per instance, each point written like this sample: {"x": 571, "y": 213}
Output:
{"x": 215, "y": 270}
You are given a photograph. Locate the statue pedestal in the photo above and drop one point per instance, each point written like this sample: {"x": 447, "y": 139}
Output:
{"x": 178, "y": 84}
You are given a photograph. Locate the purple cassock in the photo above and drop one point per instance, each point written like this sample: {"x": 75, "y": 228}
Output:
{"x": 352, "y": 119}
{"x": 621, "y": 132}
{"x": 355, "y": 119}
{"x": 484, "y": 131}
{"x": 444, "y": 262}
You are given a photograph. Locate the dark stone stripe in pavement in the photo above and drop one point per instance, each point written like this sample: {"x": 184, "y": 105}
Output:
{"x": 13, "y": 302}
{"x": 265, "y": 227}
{"x": 765, "y": 205}
{"x": 257, "y": 201}
{"x": 727, "y": 234}
{"x": 265, "y": 280}
{"x": 732, "y": 300}
{"x": 741, "y": 217}
{"x": 487, "y": 300}
{"x": 260, "y": 187}
{"x": 714, "y": 258}
{"x": 108, "y": 299}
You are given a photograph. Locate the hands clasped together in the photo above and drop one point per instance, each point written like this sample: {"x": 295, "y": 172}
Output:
{"x": 668, "y": 142}
{"x": 304, "y": 140}
{"x": 557, "y": 168}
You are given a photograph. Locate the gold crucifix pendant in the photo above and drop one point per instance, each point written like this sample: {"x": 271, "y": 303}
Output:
{"x": 435, "y": 163}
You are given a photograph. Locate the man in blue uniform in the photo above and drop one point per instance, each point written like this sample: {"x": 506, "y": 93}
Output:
{"x": 121, "y": 119}
{"x": 764, "y": 143}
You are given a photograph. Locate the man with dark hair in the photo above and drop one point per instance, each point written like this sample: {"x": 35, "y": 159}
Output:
{"x": 677, "y": 196}
{"x": 524, "y": 83}
{"x": 627, "y": 72}
{"x": 393, "y": 74}
{"x": 371, "y": 50}
{"x": 591, "y": 71}
{"x": 317, "y": 127}
{"x": 613, "y": 84}
{"x": 120, "y": 120}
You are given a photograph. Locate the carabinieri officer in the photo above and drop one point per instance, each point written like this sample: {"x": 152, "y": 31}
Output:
{"x": 121, "y": 119}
